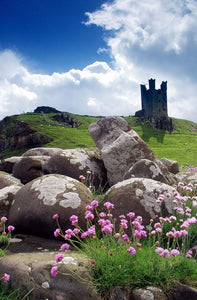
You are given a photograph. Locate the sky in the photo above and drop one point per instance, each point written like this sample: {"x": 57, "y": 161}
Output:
{"x": 90, "y": 56}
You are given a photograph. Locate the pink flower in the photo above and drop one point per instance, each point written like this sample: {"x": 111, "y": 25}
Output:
{"x": 93, "y": 261}
{"x": 64, "y": 247}
{"x": 81, "y": 177}
{"x": 159, "y": 250}
{"x": 11, "y": 228}
{"x": 56, "y": 232}
{"x": 84, "y": 235}
{"x": 131, "y": 215}
{"x": 175, "y": 252}
{"x": 131, "y": 250}
{"x": 170, "y": 234}
{"x": 189, "y": 254}
{"x": 6, "y": 277}
{"x": 59, "y": 257}
{"x": 107, "y": 229}
{"x": 125, "y": 238}
{"x": 123, "y": 223}
{"x": 165, "y": 253}
{"x": 91, "y": 230}
{"x": 76, "y": 231}
{"x": 54, "y": 271}
{"x": 89, "y": 207}
{"x": 3, "y": 219}
{"x": 183, "y": 232}
{"x": 157, "y": 225}
{"x": 102, "y": 215}
{"x": 109, "y": 205}
{"x": 56, "y": 216}
{"x": 89, "y": 215}
{"x": 74, "y": 219}
{"x": 69, "y": 234}
{"x": 94, "y": 203}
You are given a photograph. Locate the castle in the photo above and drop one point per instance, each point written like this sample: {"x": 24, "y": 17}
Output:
{"x": 154, "y": 106}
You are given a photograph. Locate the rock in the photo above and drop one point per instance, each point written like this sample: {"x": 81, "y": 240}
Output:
{"x": 107, "y": 130}
{"x": 27, "y": 169}
{"x": 121, "y": 148}
{"x": 149, "y": 293}
{"x": 184, "y": 292}
{"x": 7, "y": 180}
{"x": 42, "y": 151}
{"x": 7, "y": 164}
{"x": 172, "y": 165}
{"x": 76, "y": 162}
{"x": 66, "y": 120}
{"x": 187, "y": 177}
{"x": 145, "y": 168}
{"x": 6, "y": 197}
{"x": 40, "y": 199}
{"x": 139, "y": 195}
{"x": 30, "y": 272}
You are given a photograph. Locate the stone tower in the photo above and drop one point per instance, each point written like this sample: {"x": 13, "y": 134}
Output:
{"x": 154, "y": 105}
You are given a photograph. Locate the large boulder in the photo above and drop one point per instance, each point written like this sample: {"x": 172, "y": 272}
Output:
{"x": 36, "y": 202}
{"x": 145, "y": 168}
{"x": 76, "y": 162}
{"x": 28, "y": 168}
{"x": 187, "y": 177}
{"x": 139, "y": 195}
{"x": 7, "y": 180}
{"x": 121, "y": 148}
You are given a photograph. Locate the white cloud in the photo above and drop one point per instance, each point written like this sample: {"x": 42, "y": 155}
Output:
{"x": 145, "y": 39}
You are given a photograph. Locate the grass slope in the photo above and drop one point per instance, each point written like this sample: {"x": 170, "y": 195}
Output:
{"x": 178, "y": 145}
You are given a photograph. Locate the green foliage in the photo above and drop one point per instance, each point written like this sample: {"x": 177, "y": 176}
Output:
{"x": 6, "y": 294}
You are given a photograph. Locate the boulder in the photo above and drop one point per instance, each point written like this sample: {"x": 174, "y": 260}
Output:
{"x": 139, "y": 195}
{"x": 6, "y": 197}
{"x": 36, "y": 202}
{"x": 42, "y": 151}
{"x": 172, "y": 165}
{"x": 76, "y": 162}
{"x": 7, "y": 164}
{"x": 148, "y": 293}
{"x": 27, "y": 169}
{"x": 107, "y": 130}
{"x": 184, "y": 292}
{"x": 121, "y": 148}
{"x": 187, "y": 177}
{"x": 29, "y": 272}
{"x": 7, "y": 180}
{"x": 145, "y": 168}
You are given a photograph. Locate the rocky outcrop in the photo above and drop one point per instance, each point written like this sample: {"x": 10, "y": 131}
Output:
{"x": 121, "y": 148}
{"x": 40, "y": 199}
{"x": 46, "y": 110}
{"x": 15, "y": 134}
{"x": 66, "y": 120}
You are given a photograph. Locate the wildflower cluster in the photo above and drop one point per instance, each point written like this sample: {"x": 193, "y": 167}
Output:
{"x": 119, "y": 247}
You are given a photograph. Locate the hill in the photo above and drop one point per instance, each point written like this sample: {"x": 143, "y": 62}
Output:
{"x": 178, "y": 145}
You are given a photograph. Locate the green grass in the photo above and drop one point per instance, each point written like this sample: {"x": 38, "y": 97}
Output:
{"x": 178, "y": 145}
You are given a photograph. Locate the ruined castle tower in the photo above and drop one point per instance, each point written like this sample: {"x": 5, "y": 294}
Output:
{"x": 154, "y": 105}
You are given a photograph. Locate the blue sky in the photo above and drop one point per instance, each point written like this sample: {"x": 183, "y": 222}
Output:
{"x": 90, "y": 56}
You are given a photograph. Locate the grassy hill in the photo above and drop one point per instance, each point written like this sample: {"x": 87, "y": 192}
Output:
{"x": 180, "y": 145}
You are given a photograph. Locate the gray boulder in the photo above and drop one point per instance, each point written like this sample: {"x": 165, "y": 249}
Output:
{"x": 27, "y": 169}
{"x": 145, "y": 168}
{"x": 149, "y": 293}
{"x": 36, "y": 202}
{"x": 76, "y": 162}
{"x": 139, "y": 195}
{"x": 172, "y": 165}
{"x": 7, "y": 180}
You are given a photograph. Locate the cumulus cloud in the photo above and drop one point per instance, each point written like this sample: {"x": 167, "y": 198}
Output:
{"x": 144, "y": 39}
